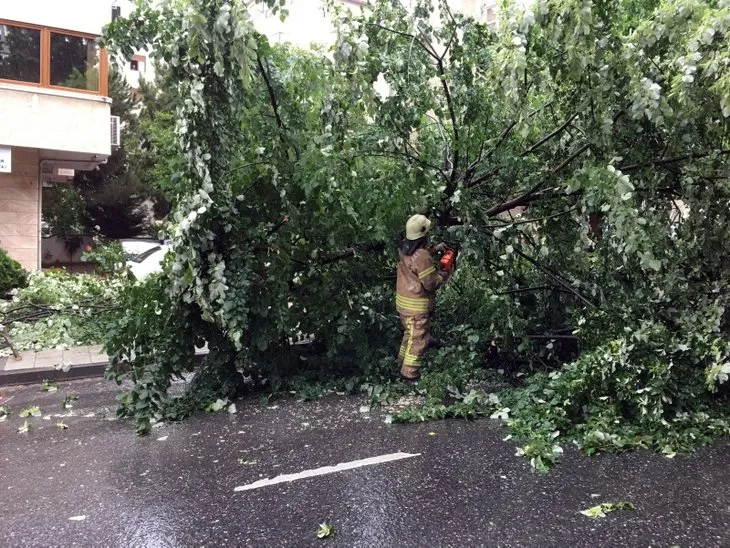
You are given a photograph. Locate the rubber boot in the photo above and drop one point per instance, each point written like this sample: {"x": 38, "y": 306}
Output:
{"x": 410, "y": 374}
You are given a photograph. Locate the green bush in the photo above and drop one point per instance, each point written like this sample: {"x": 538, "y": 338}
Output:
{"x": 109, "y": 256}
{"x": 12, "y": 274}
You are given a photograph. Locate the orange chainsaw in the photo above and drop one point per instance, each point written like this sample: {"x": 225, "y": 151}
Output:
{"x": 448, "y": 260}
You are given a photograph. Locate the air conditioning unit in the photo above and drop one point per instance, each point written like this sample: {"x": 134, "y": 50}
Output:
{"x": 116, "y": 131}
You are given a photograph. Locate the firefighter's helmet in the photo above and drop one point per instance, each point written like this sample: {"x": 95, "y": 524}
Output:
{"x": 417, "y": 227}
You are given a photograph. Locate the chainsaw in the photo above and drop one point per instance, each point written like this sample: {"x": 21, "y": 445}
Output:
{"x": 447, "y": 262}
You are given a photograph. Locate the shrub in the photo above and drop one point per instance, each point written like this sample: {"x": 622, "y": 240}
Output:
{"x": 12, "y": 274}
{"x": 109, "y": 256}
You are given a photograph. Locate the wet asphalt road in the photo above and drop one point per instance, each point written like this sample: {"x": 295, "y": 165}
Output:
{"x": 176, "y": 486}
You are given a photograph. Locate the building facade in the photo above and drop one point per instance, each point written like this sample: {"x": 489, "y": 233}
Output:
{"x": 140, "y": 66}
{"x": 54, "y": 109}
{"x": 307, "y": 22}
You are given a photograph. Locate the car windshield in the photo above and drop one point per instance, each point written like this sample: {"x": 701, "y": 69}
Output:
{"x": 142, "y": 256}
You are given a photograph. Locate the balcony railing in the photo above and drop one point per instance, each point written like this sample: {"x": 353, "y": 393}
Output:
{"x": 52, "y": 58}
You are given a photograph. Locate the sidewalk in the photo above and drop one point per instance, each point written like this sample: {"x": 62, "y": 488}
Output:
{"x": 74, "y": 363}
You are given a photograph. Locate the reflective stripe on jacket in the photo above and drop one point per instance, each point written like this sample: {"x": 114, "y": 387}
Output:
{"x": 417, "y": 282}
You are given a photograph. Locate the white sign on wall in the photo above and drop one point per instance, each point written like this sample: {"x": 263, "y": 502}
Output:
{"x": 5, "y": 156}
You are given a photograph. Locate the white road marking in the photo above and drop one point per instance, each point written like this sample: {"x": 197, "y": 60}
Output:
{"x": 326, "y": 470}
{"x": 77, "y": 518}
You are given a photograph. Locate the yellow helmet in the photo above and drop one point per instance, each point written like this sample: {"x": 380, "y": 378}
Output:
{"x": 417, "y": 227}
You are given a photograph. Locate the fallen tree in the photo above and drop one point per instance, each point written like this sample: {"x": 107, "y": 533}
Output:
{"x": 579, "y": 156}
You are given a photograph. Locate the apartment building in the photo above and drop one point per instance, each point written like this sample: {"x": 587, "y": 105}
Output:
{"x": 307, "y": 22}
{"x": 140, "y": 66}
{"x": 54, "y": 109}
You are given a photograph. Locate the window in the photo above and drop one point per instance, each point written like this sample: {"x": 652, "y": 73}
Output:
{"x": 20, "y": 54}
{"x": 52, "y": 58}
{"x": 74, "y": 62}
{"x": 490, "y": 15}
{"x": 138, "y": 63}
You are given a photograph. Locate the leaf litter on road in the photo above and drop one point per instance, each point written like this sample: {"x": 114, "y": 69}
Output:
{"x": 325, "y": 530}
{"x": 216, "y": 406}
{"x": 68, "y": 402}
{"x": 33, "y": 411}
{"x": 600, "y": 511}
{"x": 48, "y": 386}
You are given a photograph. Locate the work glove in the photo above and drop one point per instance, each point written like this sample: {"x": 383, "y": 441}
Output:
{"x": 440, "y": 248}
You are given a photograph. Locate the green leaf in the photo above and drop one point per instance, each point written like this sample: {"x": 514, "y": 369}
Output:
{"x": 216, "y": 406}
{"x": 61, "y": 425}
{"x": 325, "y": 530}
{"x": 25, "y": 428}
{"x": 33, "y": 411}
{"x": 48, "y": 386}
{"x": 68, "y": 402}
{"x": 601, "y": 510}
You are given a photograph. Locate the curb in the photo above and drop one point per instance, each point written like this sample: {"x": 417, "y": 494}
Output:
{"x": 33, "y": 375}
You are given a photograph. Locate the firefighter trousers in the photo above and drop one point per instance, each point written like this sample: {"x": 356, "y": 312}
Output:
{"x": 416, "y": 340}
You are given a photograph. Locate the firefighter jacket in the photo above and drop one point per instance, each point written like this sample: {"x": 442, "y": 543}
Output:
{"x": 416, "y": 283}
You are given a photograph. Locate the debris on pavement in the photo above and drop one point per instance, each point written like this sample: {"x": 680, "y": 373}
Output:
{"x": 48, "y": 386}
{"x": 33, "y": 411}
{"x": 601, "y": 510}
{"x": 325, "y": 530}
{"x": 68, "y": 402}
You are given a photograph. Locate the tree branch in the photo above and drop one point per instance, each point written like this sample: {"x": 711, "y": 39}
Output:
{"x": 550, "y": 135}
{"x": 547, "y": 270}
{"x": 398, "y": 154}
{"x": 405, "y": 35}
{"x": 533, "y": 288}
{"x": 352, "y": 252}
{"x": 275, "y": 106}
{"x": 453, "y": 34}
{"x": 672, "y": 160}
{"x": 546, "y": 218}
{"x": 272, "y": 95}
{"x": 570, "y": 158}
{"x": 452, "y": 114}
{"x": 526, "y": 197}
{"x": 278, "y": 225}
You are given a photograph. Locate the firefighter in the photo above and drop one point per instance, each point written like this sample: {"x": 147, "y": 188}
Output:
{"x": 417, "y": 282}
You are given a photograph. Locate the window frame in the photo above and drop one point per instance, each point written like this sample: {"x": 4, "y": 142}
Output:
{"x": 45, "y": 47}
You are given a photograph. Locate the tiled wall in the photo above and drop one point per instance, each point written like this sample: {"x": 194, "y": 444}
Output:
{"x": 19, "y": 203}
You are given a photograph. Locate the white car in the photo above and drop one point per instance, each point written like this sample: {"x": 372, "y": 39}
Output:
{"x": 144, "y": 257}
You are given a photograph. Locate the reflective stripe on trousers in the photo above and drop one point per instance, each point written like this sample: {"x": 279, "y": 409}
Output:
{"x": 415, "y": 339}
{"x": 412, "y": 305}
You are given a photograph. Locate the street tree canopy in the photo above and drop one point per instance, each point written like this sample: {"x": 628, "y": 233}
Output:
{"x": 578, "y": 156}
